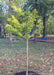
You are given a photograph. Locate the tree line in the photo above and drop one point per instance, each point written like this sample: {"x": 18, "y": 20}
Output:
{"x": 43, "y": 7}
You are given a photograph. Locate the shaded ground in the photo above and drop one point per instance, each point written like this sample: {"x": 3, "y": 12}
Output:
{"x": 13, "y": 59}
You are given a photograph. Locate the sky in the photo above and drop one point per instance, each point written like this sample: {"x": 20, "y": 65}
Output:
{"x": 4, "y": 6}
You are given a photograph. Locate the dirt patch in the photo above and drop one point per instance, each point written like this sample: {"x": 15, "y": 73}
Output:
{"x": 29, "y": 73}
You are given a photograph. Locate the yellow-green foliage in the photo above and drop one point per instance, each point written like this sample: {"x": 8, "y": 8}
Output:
{"x": 23, "y": 23}
{"x": 50, "y": 25}
{"x": 40, "y": 25}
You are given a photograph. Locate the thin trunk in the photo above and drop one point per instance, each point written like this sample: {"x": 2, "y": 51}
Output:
{"x": 44, "y": 24}
{"x": 0, "y": 30}
{"x": 10, "y": 38}
{"x": 27, "y": 56}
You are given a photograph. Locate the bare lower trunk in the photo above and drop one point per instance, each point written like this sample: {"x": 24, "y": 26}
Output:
{"x": 0, "y": 30}
{"x": 4, "y": 31}
{"x": 35, "y": 33}
{"x": 10, "y": 38}
{"x": 44, "y": 24}
{"x": 34, "y": 38}
{"x": 27, "y": 56}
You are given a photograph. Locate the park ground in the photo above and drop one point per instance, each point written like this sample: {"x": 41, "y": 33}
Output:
{"x": 13, "y": 58}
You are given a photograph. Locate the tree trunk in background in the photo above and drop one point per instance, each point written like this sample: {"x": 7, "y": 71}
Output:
{"x": 35, "y": 24}
{"x": 0, "y": 30}
{"x": 44, "y": 24}
{"x": 27, "y": 56}
{"x": 4, "y": 31}
{"x": 35, "y": 33}
{"x": 34, "y": 38}
{"x": 10, "y": 38}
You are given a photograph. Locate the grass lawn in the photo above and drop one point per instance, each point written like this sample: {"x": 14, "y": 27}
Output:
{"x": 13, "y": 59}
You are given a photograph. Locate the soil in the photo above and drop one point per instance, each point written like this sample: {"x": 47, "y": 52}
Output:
{"x": 29, "y": 73}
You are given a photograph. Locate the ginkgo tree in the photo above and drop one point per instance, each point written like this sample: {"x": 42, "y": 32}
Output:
{"x": 21, "y": 25}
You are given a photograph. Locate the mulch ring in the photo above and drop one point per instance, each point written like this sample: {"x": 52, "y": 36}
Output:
{"x": 48, "y": 40}
{"x": 29, "y": 73}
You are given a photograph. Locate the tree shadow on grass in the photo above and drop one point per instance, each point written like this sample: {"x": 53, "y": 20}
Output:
{"x": 29, "y": 73}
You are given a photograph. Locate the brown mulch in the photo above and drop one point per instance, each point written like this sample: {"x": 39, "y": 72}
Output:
{"x": 29, "y": 73}
{"x": 48, "y": 40}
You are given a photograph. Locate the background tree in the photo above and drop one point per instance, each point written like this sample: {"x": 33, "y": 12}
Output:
{"x": 50, "y": 25}
{"x": 2, "y": 20}
{"x": 43, "y": 7}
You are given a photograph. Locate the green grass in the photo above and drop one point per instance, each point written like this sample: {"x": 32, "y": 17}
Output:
{"x": 13, "y": 59}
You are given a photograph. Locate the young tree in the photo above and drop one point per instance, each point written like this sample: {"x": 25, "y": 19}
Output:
{"x": 22, "y": 25}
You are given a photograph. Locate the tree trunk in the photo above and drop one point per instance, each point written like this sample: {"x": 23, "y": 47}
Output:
{"x": 0, "y": 30}
{"x": 10, "y": 38}
{"x": 27, "y": 56}
{"x": 4, "y": 33}
{"x": 44, "y": 24}
{"x": 35, "y": 33}
{"x": 35, "y": 23}
{"x": 34, "y": 38}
